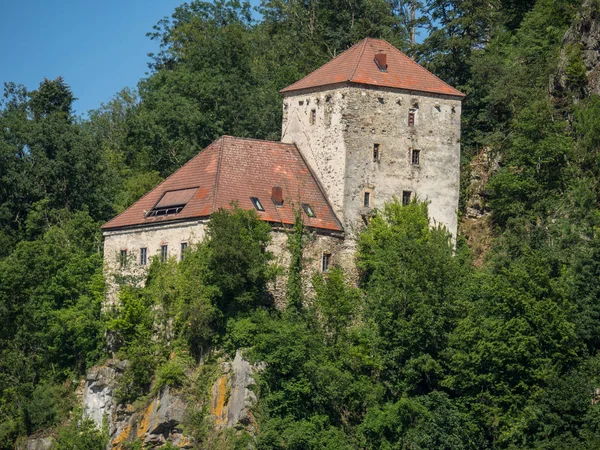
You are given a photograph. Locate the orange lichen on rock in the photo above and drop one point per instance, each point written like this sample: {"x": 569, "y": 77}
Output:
{"x": 144, "y": 423}
{"x": 218, "y": 407}
{"x": 117, "y": 443}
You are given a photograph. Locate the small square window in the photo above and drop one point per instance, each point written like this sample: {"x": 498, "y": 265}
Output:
{"x": 308, "y": 210}
{"x": 123, "y": 258}
{"x": 313, "y": 116}
{"x": 367, "y": 200}
{"x": 143, "y": 256}
{"x": 257, "y": 204}
{"x": 411, "y": 118}
{"x": 164, "y": 252}
{"x": 325, "y": 262}
{"x": 415, "y": 158}
{"x": 300, "y": 102}
{"x": 184, "y": 246}
{"x": 376, "y": 153}
{"x": 406, "y": 197}
{"x": 380, "y": 100}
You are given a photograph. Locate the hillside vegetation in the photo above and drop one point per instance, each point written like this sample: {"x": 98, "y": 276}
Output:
{"x": 429, "y": 351}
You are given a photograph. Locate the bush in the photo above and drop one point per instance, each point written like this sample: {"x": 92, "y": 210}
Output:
{"x": 172, "y": 373}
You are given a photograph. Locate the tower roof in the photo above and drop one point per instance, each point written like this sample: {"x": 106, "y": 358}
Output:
{"x": 235, "y": 169}
{"x": 358, "y": 65}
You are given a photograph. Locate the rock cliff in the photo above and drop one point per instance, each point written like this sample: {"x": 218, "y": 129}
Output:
{"x": 161, "y": 418}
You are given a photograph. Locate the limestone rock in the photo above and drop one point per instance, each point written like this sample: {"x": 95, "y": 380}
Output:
{"x": 41, "y": 443}
{"x": 98, "y": 395}
{"x": 583, "y": 36}
{"x": 156, "y": 424}
{"x": 232, "y": 398}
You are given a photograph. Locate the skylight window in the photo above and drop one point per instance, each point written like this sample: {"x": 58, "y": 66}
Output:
{"x": 172, "y": 202}
{"x": 257, "y": 204}
{"x": 308, "y": 210}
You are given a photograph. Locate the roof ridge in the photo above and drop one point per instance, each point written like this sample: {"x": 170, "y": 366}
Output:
{"x": 362, "y": 50}
{"x": 253, "y": 139}
{"x": 157, "y": 186}
{"x": 326, "y": 64}
{"x": 217, "y": 175}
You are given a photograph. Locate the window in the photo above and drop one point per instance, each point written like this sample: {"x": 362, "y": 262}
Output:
{"x": 257, "y": 204}
{"x": 123, "y": 258}
{"x": 376, "y": 153}
{"x": 406, "y": 197}
{"x": 183, "y": 249}
{"x": 367, "y": 200}
{"x": 143, "y": 256}
{"x": 380, "y": 100}
{"x": 164, "y": 253}
{"x": 172, "y": 202}
{"x": 300, "y": 102}
{"x": 325, "y": 262}
{"x": 313, "y": 116}
{"x": 411, "y": 118}
{"x": 308, "y": 210}
{"x": 415, "y": 157}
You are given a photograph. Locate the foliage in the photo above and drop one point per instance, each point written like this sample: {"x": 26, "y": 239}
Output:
{"x": 81, "y": 434}
{"x": 426, "y": 351}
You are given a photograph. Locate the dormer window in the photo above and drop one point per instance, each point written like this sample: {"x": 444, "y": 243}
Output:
{"x": 172, "y": 202}
{"x": 308, "y": 210}
{"x": 381, "y": 61}
{"x": 257, "y": 204}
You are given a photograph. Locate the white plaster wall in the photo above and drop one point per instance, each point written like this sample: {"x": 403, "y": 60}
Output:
{"x": 152, "y": 238}
{"x": 321, "y": 143}
{"x": 377, "y": 115}
{"x": 350, "y": 119}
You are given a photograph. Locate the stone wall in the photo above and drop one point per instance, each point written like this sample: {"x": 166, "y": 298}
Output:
{"x": 152, "y": 238}
{"x": 320, "y": 141}
{"x": 340, "y": 148}
{"x": 173, "y": 235}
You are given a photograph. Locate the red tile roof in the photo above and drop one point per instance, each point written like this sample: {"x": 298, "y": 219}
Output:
{"x": 236, "y": 169}
{"x": 357, "y": 65}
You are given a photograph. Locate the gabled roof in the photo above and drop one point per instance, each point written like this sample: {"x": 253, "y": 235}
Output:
{"x": 235, "y": 169}
{"x": 357, "y": 65}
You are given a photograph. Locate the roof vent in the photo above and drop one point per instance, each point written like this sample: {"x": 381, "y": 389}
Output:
{"x": 277, "y": 195}
{"x": 381, "y": 61}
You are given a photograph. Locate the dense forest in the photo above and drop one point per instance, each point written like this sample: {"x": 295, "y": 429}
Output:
{"x": 430, "y": 350}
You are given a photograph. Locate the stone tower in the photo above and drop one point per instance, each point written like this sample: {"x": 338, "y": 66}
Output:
{"x": 373, "y": 124}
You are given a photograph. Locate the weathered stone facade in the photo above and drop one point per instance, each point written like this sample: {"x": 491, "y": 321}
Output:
{"x": 337, "y": 129}
{"x": 174, "y": 234}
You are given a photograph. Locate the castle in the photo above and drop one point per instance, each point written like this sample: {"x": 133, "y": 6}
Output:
{"x": 368, "y": 126}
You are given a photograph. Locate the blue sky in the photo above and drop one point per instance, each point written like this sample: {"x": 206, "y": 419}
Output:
{"x": 98, "y": 47}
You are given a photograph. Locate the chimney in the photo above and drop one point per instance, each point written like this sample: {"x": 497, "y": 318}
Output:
{"x": 277, "y": 195}
{"x": 381, "y": 61}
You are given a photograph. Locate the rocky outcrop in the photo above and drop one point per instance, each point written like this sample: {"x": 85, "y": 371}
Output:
{"x": 155, "y": 425}
{"x": 99, "y": 392}
{"x": 475, "y": 224}
{"x": 232, "y": 396}
{"x": 578, "y": 73}
{"x": 38, "y": 443}
{"x": 160, "y": 421}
